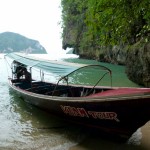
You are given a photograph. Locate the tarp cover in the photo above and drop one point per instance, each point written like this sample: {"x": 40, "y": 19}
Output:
{"x": 56, "y": 67}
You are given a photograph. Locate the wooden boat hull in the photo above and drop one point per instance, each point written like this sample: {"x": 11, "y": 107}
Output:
{"x": 121, "y": 115}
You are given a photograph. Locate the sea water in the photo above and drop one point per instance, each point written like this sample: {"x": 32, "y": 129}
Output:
{"x": 25, "y": 127}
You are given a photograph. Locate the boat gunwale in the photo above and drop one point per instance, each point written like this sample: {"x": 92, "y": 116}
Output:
{"x": 87, "y": 99}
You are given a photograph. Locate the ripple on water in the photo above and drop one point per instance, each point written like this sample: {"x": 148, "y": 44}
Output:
{"x": 26, "y": 127}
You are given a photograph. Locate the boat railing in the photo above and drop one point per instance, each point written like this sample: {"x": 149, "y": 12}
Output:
{"x": 66, "y": 78}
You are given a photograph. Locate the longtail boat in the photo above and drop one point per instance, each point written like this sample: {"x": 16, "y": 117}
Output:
{"x": 114, "y": 110}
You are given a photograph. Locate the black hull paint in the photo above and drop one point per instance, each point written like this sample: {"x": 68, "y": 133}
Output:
{"x": 115, "y": 115}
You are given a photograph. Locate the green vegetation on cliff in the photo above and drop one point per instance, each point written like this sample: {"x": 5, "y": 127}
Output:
{"x": 115, "y": 31}
{"x": 88, "y": 25}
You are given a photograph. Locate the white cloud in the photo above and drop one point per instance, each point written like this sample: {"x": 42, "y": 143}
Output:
{"x": 35, "y": 19}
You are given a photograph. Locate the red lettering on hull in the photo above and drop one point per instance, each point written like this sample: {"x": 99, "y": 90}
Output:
{"x": 81, "y": 112}
{"x": 104, "y": 115}
{"x": 72, "y": 111}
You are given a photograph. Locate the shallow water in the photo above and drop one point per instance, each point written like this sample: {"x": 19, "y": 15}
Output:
{"x": 23, "y": 126}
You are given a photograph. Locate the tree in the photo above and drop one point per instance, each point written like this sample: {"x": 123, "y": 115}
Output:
{"x": 89, "y": 25}
{"x": 115, "y": 21}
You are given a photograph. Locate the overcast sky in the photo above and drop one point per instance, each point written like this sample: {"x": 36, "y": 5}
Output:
{"x": 35, "y": 19}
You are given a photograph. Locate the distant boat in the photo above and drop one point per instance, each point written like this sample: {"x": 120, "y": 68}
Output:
{"x": 114, "y": 110}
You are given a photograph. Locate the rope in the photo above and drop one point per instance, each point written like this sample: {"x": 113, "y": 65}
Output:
{"x": 7, "y": 64}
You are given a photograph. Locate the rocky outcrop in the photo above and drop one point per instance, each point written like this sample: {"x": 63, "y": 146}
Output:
{"x": 13, "y": 42}
{"x": 90, "y": 29}
{"x": 136, "y": 58}
{"x": 138, "y": 63}
{"x": 114, "y": 55}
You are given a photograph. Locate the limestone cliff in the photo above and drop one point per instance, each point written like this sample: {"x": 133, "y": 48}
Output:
{"x": 105, "y": 31}
{"x": 138, "y": 63}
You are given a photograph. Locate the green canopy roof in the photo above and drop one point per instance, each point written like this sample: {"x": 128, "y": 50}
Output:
{"x": 56, "y": 67}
